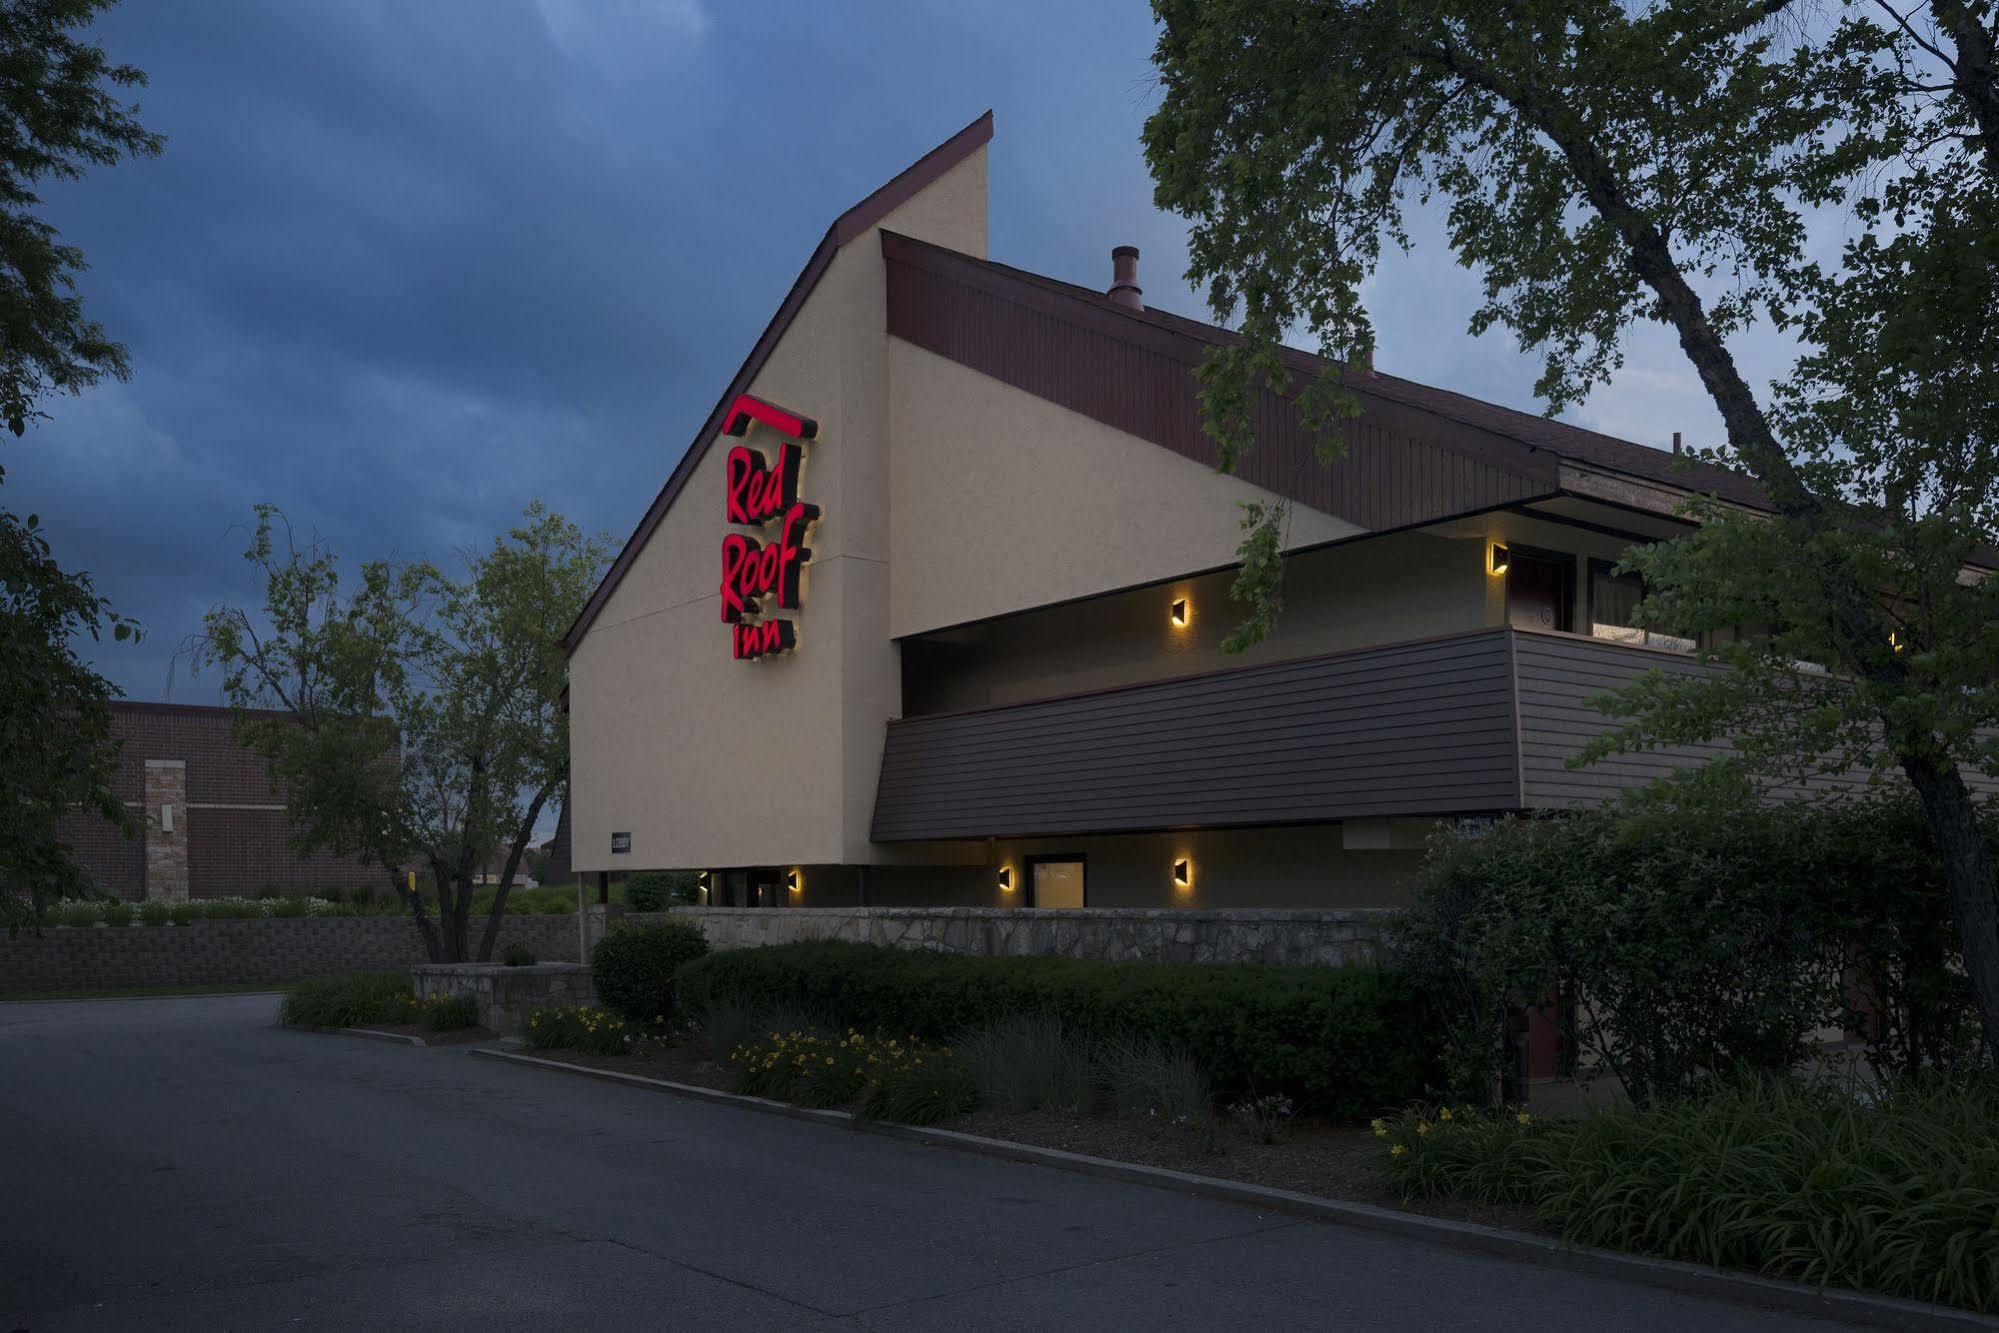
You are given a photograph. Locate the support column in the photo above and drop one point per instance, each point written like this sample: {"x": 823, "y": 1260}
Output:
{"x": 166, "y": 829}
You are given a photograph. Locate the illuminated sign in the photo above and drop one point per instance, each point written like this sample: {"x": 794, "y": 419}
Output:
{"x": 764, "y": 495}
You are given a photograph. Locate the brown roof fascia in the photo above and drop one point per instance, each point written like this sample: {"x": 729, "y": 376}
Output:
{"x": 871, "y": 210}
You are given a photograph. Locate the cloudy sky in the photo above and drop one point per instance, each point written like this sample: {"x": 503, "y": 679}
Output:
{"x": 405, "y": 267}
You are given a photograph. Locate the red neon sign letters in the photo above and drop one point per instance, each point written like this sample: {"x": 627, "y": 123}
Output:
{"x": 758, "y": 495}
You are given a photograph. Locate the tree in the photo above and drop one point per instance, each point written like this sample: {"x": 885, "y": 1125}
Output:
{"x": 419, "y": 718}
{"x": 57, "y": 116}
{"x": 1603, "y": 164}
{"x": 55, "y": 721}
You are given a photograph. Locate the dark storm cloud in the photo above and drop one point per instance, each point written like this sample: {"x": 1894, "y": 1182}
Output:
{"x": 405, "y": 267}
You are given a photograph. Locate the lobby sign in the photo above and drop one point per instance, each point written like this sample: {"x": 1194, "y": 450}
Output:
{"x": 763, "y": 495}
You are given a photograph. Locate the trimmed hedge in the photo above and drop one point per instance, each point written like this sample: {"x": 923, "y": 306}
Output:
{"x": 1342, "y": 1042}
{"x": 633, "y": 968}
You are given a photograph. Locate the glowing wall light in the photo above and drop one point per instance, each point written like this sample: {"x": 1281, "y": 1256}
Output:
{"x": 1183, "y": 873}
{"x": 795, "y": 881}
{"x": 1006, "y": 879}
{"x": 1497, "y": 558}
{"x": 1180, "y": 613}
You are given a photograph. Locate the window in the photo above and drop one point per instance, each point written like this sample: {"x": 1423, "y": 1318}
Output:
{"x": 1613, "y": 602}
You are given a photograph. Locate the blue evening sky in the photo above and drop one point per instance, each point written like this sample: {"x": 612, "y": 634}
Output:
{"x": 405, "y": 267}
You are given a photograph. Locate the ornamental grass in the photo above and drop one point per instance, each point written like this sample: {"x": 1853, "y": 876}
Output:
{"x": 1892, "y": 1189}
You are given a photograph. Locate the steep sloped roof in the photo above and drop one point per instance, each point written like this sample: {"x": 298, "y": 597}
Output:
{"x": 1561, "y": 439}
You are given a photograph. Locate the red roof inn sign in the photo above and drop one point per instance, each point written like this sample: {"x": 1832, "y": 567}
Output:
{"x": 764, "y": 497}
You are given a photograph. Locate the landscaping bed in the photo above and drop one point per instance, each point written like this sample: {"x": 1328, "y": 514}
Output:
{"x": 1343, "y": 1162}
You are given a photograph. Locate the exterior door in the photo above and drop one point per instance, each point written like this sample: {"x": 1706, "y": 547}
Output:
{"x": 1055, "y": 881}
{"x": 1539, "y": 590}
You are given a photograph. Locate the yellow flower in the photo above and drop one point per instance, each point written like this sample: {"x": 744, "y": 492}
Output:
{"x": 1422, "y": 1127}
{"x": 1523, "y": 1117}
{"x": 1443, "y": 1113}
{"x": 1397, "y": 1150}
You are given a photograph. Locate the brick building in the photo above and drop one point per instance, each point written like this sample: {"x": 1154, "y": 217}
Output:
{"x": 213, "y": 825}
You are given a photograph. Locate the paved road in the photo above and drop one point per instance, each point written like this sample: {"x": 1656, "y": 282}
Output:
{"x": 184, "y": 1164}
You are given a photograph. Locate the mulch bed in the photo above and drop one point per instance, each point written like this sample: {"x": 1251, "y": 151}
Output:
{"x": 1330, "y": 1161}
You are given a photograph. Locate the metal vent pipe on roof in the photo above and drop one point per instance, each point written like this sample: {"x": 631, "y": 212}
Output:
{"x": 1124, "y": 278}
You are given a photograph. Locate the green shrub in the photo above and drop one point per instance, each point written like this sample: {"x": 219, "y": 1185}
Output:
{"x": 1696, "y": 932}
{"x": 727, "y": 1024}
{"x": 1027, "y": 1062}
{"x": 184, "y": 913}
{"x": 288, "y": 907}
{"x": 81, "y": 913}
{"x": 517, "y": 955}
{"x": 579, "y": 1028}
{"x": 154, "y": 912}
{"x": 1344, "y": 1042}
{"x": 353, "y": 999}
{"x": 633, "y": 968}
{"x": 331, "y": 895}
{"x": 1895, "y": 1192}
{"x": 236, "y": 909}
{"x": 648, "y": 891}
{"x": 118, "y": 913}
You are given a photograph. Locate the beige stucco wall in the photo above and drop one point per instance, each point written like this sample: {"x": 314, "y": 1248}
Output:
{"x": 1004, "y": 501}
{"x": 707, "y": 761}
{"x": 1387, "y": 589}
{"x": 1274, "y": 867}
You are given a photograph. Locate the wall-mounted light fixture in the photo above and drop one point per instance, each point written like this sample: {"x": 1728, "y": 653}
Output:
{"x": 1497, "y": 558}
{"x": 795, "y": 881}
{"x": 1895, "y": 640}
{"x": 1006, "y": 879}
{"x": 704, "y": 882}
{"x": 1180, "y": 613}
{"x": 1183, "y": 873}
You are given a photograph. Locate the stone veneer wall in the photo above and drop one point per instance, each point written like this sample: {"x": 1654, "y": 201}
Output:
{"x": 506, "y": 994}
{"x": 1328, "y": 937}
{"x": 275, "y": 950}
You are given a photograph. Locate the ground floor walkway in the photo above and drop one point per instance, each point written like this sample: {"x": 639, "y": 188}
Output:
{"x": 184, "y": 1164}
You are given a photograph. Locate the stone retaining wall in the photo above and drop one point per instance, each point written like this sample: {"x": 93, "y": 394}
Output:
{"x": 506, "y": 994}
{"x": 275, "y": 950}
{"x": 1327, "y": 937}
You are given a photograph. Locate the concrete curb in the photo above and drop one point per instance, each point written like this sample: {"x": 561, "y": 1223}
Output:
{"x": 1671, "y": 1275}
{"x": 405, "y": 1038}
{"x": 127, "y": 999}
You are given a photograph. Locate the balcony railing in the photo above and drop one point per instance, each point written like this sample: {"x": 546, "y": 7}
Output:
{"x": 1473, "y": 723}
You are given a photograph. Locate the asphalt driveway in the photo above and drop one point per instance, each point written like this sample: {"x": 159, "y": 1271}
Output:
{"x": 184, "y": 1164}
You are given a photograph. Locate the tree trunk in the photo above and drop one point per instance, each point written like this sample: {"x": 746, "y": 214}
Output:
{"x": 514, "y": 855}
{"x": 1968, "y": 874}
{"x": 426, "y": 931}
{"x": 454, "y": 896}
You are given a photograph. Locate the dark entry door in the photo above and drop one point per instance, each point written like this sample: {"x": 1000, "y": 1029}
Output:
{"x": 767, "y": 887}
{"x": 1539, "y": 590}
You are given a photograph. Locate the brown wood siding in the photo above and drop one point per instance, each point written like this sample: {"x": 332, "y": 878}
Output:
{"x": 1411, "y": 729}
{"x": 1401, "y": 465}
{"x": 1558, "y": 677}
